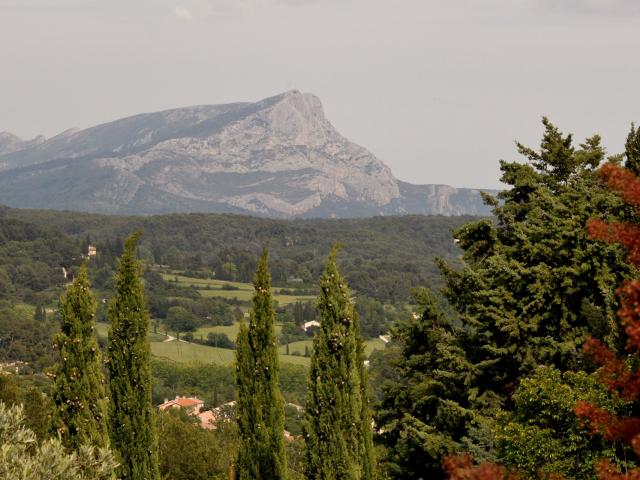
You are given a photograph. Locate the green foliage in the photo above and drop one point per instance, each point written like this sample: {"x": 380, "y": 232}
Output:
{"x": 38, "y": 405}
{"x": 31, "y": 255}
{"x": 22, "y": 458}
{"x": 632, "y": 150}
{"x": 217, "y": 340}
{"x": 215, "y": 384}
{"x": 425, "y": 409}
{"x": 25, "y": 339}
{"x": 41, "y": 409}
{"x": 132, "y": 426}
{"x": 534, "y": 283}
{"x": 40, "y": 314}
{"x": 338, "y": 425}
{"x": 375, "y": 317}
{"x": 9, "y": 392}
{"x": 79, "y": 390}
{"x": 260, "y": 407}
{"x": 189, "y": 452}
{"x": 180, "y": 320}
{"x": 384, "y": 257}
{"x": 543, "y": 435}
{"x": 291, "y": 333}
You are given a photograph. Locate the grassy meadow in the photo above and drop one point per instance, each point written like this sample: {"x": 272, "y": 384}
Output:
{"x": 228, "y": 289}
{"x": 184, "y": 352}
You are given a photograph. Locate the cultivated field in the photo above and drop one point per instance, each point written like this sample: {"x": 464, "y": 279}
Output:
{"x": 225, "y": 289}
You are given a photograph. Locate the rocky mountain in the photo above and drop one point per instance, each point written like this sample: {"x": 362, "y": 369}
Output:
{"x": 279, "y": 157}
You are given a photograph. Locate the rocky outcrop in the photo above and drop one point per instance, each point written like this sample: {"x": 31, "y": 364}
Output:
{"x": 278, "y": 157}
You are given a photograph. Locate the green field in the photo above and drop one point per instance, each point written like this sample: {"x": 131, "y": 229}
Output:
{"x": 184, "y": 352}
{"x": 230, "y": 331}
{"x": 244, "y": 292}
{"x": 102, "y": 330}
{"x": 299, "y": 347}
{"x": 191, "y": 352}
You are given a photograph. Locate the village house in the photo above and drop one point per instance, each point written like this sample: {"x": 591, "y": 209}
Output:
{"x": 190, "y": 404}
{"x": 194, "y": 406}
{"x": 10, "y": 368}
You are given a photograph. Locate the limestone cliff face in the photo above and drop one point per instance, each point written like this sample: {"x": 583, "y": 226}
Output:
{"x": 277, "y": 157}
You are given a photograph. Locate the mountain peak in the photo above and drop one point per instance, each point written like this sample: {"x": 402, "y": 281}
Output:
{"x": 278, "y": 157}
{"x": 9, "y": 136}
{"x": 9, "y": 142}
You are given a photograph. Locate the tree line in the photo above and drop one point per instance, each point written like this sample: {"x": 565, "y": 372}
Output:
{"x": 383, "y": 257}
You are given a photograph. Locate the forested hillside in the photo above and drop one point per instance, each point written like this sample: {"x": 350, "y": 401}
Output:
{"x": 382, "y": 257}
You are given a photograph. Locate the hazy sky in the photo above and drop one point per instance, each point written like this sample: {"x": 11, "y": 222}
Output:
{"x": 438, "y": 89}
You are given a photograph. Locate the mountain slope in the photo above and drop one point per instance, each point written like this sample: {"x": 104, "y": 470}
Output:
{"x": 278, "y": 157}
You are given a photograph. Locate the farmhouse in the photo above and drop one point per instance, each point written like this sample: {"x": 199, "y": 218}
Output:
{"x": 190, "y": 404}
{"x": 194, "y": 406}
{"x": 312, "y": 323}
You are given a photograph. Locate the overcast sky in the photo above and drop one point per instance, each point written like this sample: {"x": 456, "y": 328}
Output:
{"x": 438, "y": 89}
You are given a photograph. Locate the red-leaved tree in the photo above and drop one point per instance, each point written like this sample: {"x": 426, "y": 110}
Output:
{"x": 619, "y": 375}
{"x": 461, "y": 467}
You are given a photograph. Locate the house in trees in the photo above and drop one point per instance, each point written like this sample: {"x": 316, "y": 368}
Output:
{"x": 190, "y": 404}
{"x": 194, "y": 406}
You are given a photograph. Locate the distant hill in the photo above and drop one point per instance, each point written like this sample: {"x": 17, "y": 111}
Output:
{"x": 279, "y": 157}
{"x": 382, "y": 257}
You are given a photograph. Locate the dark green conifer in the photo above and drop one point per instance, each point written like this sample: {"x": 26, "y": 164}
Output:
{"x": 79, "y": 389}
{"x": 131, "y": 417}
{"x": 425, "y": 409}
{"x": 533, "y": 283}
{"x": 632, "y": 150}
{"x": 366, "y": 433}
{"x": 260, "y": 406}
{"x": 40, "y": 314}
{"x": 338, "y": 425}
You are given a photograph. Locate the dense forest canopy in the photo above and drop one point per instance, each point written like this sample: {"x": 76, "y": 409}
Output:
{"x": 383, "y": 257}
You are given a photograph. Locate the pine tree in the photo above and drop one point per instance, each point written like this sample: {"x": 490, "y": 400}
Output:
{"x": 425, "y": 409}
{"x": 534, "y": 284}
{"x": 338, "y": 425}
{"x": 79, "y": 389}
{"x": 131, "y": 417}
{"x": 260, "y": 405}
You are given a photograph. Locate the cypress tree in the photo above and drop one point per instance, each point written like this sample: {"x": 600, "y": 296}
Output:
{"x": 131, "y": 417}
{"x": 40, "y": 314}
{"x": 260, "y": 406}
{"x": 338, "y": 425}
{"x": 79, "y": 389}
{"x": 366, "y": 433}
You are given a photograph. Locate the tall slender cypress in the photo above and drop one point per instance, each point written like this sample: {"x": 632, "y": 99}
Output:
{"x": 260, "y": 406}
{"x": 79, "y": 389}
{"x": 131, "y": 416}
{"x": 367, "y": 454}
{"x": 337, "y": 424}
